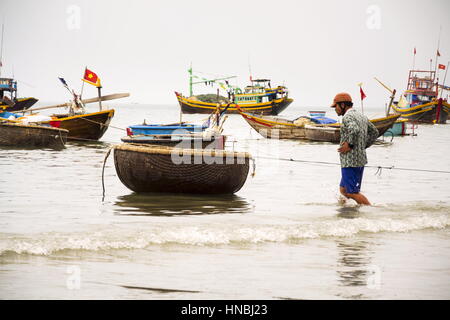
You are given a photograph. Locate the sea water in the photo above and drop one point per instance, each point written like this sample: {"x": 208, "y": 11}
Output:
{"x": 284, "y": 235}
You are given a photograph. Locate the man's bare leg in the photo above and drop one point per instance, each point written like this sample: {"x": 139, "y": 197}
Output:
{"x": 358, "y": 197}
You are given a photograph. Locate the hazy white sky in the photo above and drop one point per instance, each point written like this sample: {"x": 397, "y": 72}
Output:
{"x": 316, "y": 48}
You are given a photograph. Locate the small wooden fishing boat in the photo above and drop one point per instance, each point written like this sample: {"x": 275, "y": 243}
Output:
{"x": 85, "y": 126}
{"x": 15, "y": 134}
{"x": 82, "y": 125}
{"x": 278, "y": 128}
{"x": 164, "y": 129}
{"x": 258, "y": 98}
{"x": 317, "y": 113}
{"x": 185, "y": 141}
{"x": 400, "y": 128}
{"x": 150, "y": 168}
{"x": 9, "y": 86}
{"x": 322, "y": 133}
{"x": 11, "y": 102}
{"x": 420, "y": 102}
{"x": 182, "y": 135}
{"x": 331, "y": 132}
{"x": 274, "y": 127}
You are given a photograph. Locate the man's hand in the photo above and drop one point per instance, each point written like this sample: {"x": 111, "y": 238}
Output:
{"x": 344, "y": 148}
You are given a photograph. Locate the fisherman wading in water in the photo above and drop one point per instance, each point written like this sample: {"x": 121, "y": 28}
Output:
{"x": 357, "y": 134}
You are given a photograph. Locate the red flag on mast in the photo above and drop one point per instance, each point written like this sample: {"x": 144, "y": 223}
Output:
{"x": 363, "y": 95}
{"x": 441, "y": 66}
{"x": 91, "y": 78}
{"x": 414, "y": 50}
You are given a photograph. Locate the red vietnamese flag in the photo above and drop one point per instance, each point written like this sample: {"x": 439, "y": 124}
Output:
{"x": 363, "y": 95}
{"x": 414, "y": 50}
{"x": 441, "y": 66}
{"x": 91, "y": 78}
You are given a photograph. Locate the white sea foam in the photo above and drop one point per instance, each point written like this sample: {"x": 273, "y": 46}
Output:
{"x": 213, "y": 234}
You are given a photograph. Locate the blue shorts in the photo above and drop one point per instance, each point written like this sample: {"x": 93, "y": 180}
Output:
{"x": 351, "y": 179}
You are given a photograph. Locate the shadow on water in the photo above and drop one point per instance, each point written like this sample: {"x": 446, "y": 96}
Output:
{"x": 164, "y": 205}
{"x": 91, "y": 144}
{"x": 355, "y": 268}
{"x": 349, "y": 212}
{"x": 354, "y": 260}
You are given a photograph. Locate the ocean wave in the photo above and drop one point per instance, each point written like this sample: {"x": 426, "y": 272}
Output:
{"x": 212, "y": 234}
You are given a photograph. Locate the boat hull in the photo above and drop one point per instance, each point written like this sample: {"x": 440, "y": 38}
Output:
{"x": 324, "y": 134}
{"x": 185, "y": 142}
{"x": 398, "y": 129}
{"x": 89, "y": 126}
{"x": 161, "y": 169}
{"x": 32, "y": 136}
{"x": 20, "y": 104}
{"x": 433, "y": 112}
{"x": 267, "y": 108}
{"x": 165, "y": 129}
{"x": 277, "y": 128}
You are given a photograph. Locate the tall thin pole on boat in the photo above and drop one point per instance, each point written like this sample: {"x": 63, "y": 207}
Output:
{"x": 250, "y": 69}
{"x": 362, "y": 96}
{"x": 437, "y": 51}
{"x": 190, "y": 80}
{"x": 1, "y": 51}
{"x": 392, "y": 95}
{"x": 390, "y": 102}
{"x": 445, "y": 77}
{"x": 82, "y": 85}
{"x": 99, "y": 88}
{"x": 414, "y": 59}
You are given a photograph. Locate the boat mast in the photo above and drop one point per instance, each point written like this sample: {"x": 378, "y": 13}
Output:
{"x": 190, "y": 80}
{"x": 1, "y": 51}
{"x": 250, "y": 69}
{"x": 445, "y": 77}
{"x": 437, "y": 51}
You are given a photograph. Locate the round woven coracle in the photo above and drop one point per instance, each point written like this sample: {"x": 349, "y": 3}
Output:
{"x": 32, "y": 136}
{"x": 147, "y": 168}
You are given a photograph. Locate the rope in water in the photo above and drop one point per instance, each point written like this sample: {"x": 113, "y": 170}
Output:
{"x": 102, "y": 124}
{"x": 103, "y": 172}
{"x": 379, "y": 168}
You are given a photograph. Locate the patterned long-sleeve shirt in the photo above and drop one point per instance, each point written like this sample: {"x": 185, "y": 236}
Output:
{"x": 358, "y": 131}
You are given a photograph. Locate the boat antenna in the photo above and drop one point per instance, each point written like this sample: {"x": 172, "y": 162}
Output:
{"x": 82, "y": 84}
{"x": 1, "y": 50}
{"x": 445, "y": 77}
{"x": 190, "y": 80}
{"x": 437, "y": 51}
{"x": 250, "y": 69}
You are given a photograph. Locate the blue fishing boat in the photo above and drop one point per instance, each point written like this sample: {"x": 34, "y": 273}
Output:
{"x": 400, "y": 128}
{"x": 317, "y": 113}
{"x": 8, "y": 91}
{"x": 196, "y": 136}
{"x": 421, "y": 101}
{"x": 164, "y": 129}
{"x": 12, "y": 102}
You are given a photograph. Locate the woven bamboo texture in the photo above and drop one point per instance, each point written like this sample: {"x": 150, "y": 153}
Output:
{"x": 161, "y": 169}
{"x": 32, "y": 136}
